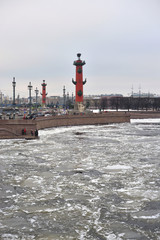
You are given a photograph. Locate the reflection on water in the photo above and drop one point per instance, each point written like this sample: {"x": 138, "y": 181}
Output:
{"x": 87, "y": 182}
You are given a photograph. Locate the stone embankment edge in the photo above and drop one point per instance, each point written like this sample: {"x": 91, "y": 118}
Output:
{"x": 144, "y": 114}
{"x": 12, "y": 129}
{"x": 88, "y": 119}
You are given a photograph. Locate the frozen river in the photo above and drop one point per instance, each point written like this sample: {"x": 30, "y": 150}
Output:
{"x": 84, "y": 182}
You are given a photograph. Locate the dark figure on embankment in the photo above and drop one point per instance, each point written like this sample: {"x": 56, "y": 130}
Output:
{"x": 36, "y": 133}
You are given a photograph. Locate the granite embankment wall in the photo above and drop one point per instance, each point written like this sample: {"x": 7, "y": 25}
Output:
{"x": 144, "y": 114}
{"x": 85, "y": 119}
{"x": 13, "y": 128}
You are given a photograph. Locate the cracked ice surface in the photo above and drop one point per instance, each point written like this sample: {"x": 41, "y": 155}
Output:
{"x": 84, "y": 182}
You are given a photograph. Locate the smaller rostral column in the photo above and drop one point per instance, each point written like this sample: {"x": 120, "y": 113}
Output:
{"x": 44, "y": 94}
{"x": 79, "y": 83}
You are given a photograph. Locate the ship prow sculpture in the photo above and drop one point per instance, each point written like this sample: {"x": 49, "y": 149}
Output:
{"x": 79, "y": 84}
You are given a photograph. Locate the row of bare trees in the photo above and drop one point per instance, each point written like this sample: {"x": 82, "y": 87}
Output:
{"x": 129, "y": 103}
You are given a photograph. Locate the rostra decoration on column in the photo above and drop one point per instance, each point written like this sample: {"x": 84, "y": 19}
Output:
{"x": 79, "y": 79}
{"x": 44, "y": 94}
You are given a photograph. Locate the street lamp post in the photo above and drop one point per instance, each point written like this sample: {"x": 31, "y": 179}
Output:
{"x": 36, "y": 91}
{"x": 64, "y": 97}
{"x": 14, "y": 102}
{"x": 30, "y": 98}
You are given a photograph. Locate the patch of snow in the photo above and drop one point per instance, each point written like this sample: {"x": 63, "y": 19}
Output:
{"x": 118, "y": 167}
{"x": 146, "y": 120}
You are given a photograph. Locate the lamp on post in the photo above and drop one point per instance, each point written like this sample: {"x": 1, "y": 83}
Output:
{"x": 36, "y": 91}
{"x": 30, "y": 98}
{"x": 64, "y": 97}
{"x": 14, "y": 102}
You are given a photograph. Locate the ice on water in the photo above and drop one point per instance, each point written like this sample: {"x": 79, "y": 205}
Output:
{"x": 84, "y": 182}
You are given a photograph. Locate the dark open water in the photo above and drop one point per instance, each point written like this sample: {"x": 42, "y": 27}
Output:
{"x": 86, "y": 182}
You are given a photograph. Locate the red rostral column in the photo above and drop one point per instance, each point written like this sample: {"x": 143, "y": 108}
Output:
{"x": 79, "y": 78}
{"x": 44, "y": 94}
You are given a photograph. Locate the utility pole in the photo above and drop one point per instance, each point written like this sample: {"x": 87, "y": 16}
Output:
{"x": 30, "y": 98}
{"x": 132, "y": 91}
{"x": 36, "y": 91}
{"x": 14, "y": 102}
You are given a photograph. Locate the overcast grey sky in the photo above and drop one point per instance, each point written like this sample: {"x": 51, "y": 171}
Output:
{"x": 118, "y": 39}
